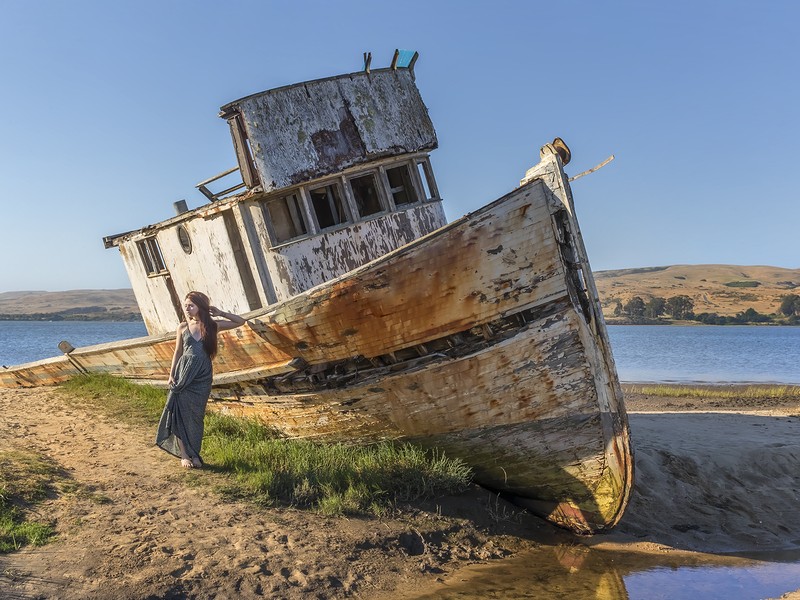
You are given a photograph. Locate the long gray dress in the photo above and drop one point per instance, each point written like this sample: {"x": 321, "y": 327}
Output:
{"x": 186, "y": 401}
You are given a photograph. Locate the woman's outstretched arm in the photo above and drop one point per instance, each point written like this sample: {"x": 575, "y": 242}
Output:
{"x": 226, "y": 320}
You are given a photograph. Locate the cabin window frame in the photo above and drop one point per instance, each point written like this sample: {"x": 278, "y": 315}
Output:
{"x": 380, "y": 190}
{"x": 415, "y": 185}
{"x": 422, "y": 172}
{"x": 340, "y": 185}
{"x": 300, "y": 210}
{"x": 418, "y": 167}
{"x": 152, "y": 257}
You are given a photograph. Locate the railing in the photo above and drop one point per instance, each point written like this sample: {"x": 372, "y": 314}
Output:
{"x": 202, "y": 186}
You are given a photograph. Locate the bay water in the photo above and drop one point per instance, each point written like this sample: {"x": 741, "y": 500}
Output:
{"x": 643, "y": 353}
{"x": 706, "y": 353}
{"x": 26, "y": 341}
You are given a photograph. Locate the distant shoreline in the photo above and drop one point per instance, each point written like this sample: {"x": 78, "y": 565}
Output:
{"x": 106, "y": 318}
{"x": 668, "y": 323}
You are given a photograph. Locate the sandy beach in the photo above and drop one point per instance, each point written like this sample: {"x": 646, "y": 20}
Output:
{"x": 712, "y": 477}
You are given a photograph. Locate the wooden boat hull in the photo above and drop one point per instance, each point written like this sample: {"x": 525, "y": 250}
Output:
{"x": 536, "y": 435}
{"x": 484, "y": 339}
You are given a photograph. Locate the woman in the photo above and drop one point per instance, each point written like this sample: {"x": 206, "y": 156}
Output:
{"x": 180, "y": 431}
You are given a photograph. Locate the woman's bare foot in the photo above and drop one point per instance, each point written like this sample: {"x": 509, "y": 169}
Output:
{"x": 187, "y": 463}
{"x": 197, "y": 463}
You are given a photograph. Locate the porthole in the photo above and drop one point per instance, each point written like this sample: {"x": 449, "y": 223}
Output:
{"x": 184, "y": 239}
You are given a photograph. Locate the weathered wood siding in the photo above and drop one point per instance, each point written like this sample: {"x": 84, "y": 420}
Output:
{"x": 210, "y": 268}
{"x": 308, "y": 130}
{"x": 499, "y": 260}
{"x": 619, "y": 473}
{"x": 538, "y": 415}
{"x": 277, "y": 273}
{"x": 302, "y": 264}
{"x": 152, "y": 294}
{"x": 50, "y": 371}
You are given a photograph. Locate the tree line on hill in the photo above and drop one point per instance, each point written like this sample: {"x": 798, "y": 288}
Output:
{"x": 681, "y": 308}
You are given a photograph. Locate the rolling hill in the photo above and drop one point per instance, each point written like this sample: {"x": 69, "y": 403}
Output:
{"x": 72, "y": 304}
{"x": 722, "y": 289}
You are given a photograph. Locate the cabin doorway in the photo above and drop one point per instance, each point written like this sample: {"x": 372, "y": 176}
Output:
{"x": 242, "y": 264}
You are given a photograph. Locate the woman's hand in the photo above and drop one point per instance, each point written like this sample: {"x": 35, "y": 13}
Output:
{"x": 229, "y": 320}
{"x": 171, "y": 381}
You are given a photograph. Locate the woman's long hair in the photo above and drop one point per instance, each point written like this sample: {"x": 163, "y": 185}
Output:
{"x": 208, "y": 326}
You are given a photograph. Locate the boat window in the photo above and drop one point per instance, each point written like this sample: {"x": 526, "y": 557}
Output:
{"x": 365, "y": 192}
{"x": 184, "y": 239}
{"x": 402, "y": 187}
{"x": 150, "y": 253}
{"x": 426, "y": 178}
{"x": 328, "y": 206}
{"x": 286, "y": 216}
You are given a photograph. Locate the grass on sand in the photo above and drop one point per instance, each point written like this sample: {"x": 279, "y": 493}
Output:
{"x": 753, "y": 392}
{"x": 25, "y": 480}
{"x": 263, "y": 467}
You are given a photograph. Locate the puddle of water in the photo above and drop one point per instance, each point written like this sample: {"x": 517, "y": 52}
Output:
{"x": 581, "y": 573}
{"x": 731, "y": 583}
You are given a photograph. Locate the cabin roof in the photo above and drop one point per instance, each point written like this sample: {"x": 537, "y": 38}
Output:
{"x": 226, "y": 109}
{"x": 307, "y": 130}
{"x": 205, "y": 210}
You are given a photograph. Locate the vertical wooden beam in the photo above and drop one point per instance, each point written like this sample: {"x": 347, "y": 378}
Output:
{"x": 239, "y": 136}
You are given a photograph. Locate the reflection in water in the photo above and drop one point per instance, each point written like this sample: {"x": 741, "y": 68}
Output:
{"x": 580, "y": 573}
{"x": 550, "y": 572}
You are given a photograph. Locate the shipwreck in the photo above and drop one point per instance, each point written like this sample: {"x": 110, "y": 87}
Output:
{"x": 372, "y": 318}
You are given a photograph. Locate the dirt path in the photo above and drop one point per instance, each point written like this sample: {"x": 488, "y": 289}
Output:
{"x": 138, "y": 526}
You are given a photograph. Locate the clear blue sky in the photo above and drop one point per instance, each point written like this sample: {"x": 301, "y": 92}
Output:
{"x": 108, "y": 114}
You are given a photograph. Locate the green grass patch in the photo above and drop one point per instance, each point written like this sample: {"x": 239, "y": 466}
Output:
{"x": 25, "y": 480}
{"x": 331, "y": 478}
{"x": 118, "y": 398}
{"x": 755, "y": 392}
{"x": 262, "y": 466}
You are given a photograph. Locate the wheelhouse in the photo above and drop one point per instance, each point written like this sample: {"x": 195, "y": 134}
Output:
{"x": 331, "y": 174}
